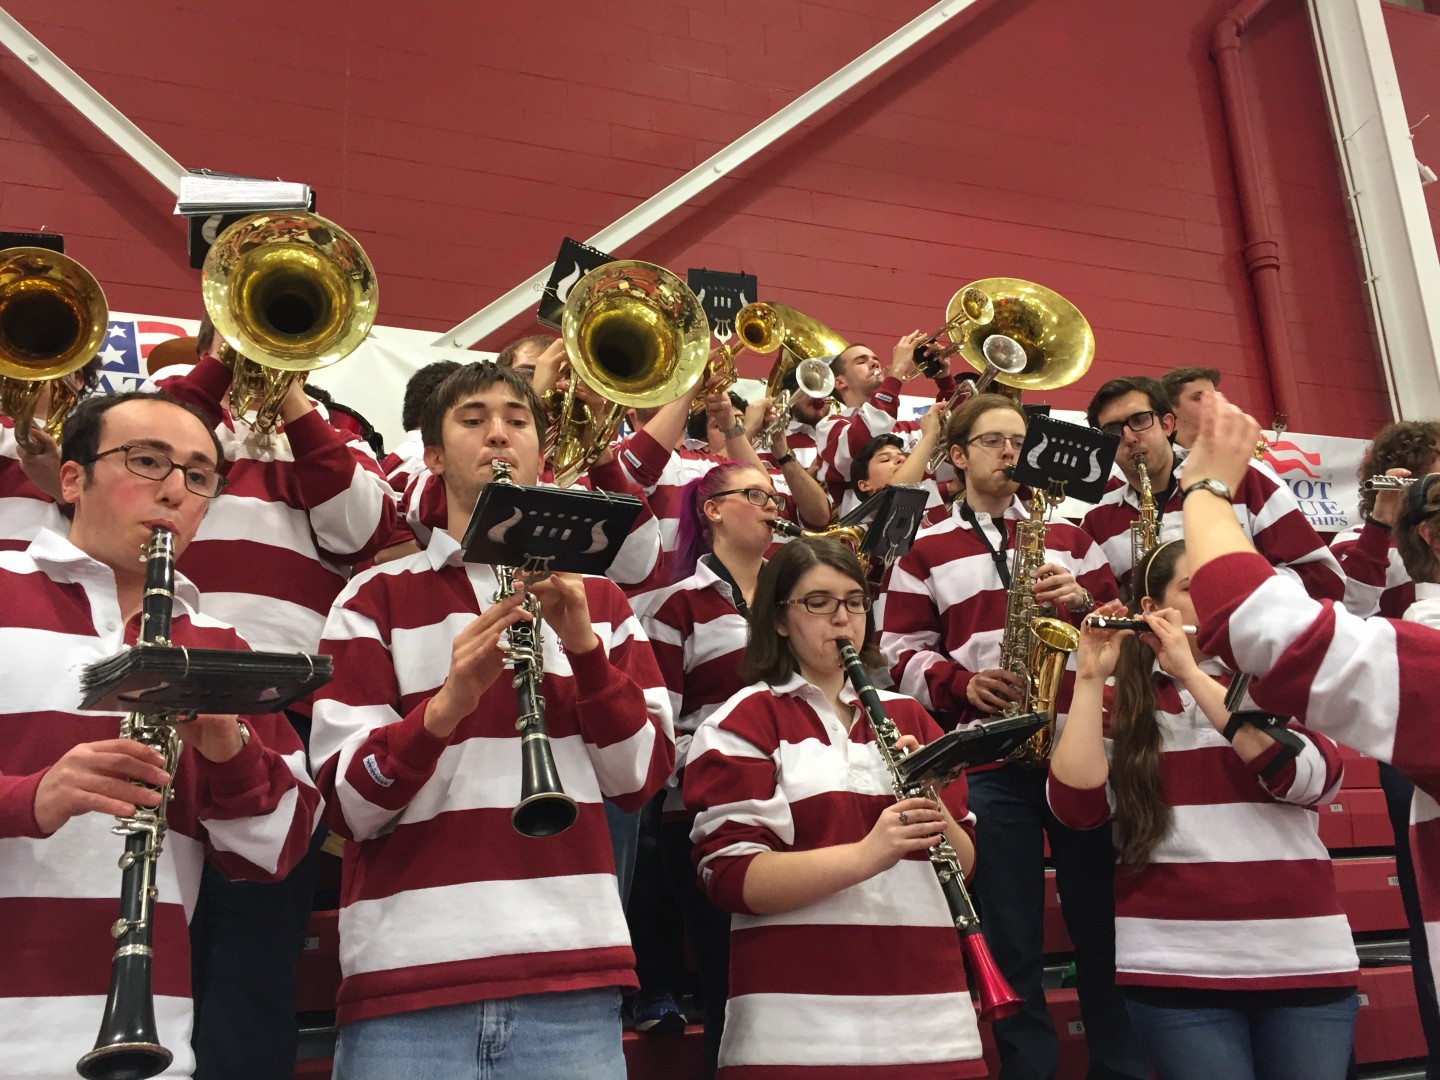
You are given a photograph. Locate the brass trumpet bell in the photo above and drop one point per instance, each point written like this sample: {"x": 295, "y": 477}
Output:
{"x": 798, "y": 337}
{"x": 1056, "y": 341}
{"x": 53, "y": 318}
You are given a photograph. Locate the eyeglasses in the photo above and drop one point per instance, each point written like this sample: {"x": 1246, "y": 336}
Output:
{"x": 993, "y": 440}
{"x": 153, "y": 465}
{"x": 757, "y": 496}
{"x": 1135, "y": 422}
{"x": 825, "y": 604}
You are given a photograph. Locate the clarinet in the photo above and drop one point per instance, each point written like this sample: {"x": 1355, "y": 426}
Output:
{"x": 128, "y": 1046}
{"x": 997, "y": 999}
{"x": 544, "y": 809}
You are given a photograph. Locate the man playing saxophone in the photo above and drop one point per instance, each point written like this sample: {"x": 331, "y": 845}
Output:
{"x": 452, "y": 923}
{"x": 242, "y": 800}
{"x": 944, "y": 632}
{"x": 1137, "y": 410}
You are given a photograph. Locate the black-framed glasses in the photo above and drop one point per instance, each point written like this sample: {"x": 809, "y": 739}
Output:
{"x": 825, "y": 604}
{"x": 153, "y": 465}
{"x": 757, "y": 496}
{"x": 993, "y": 440}
{"x": 1135, "y": 422}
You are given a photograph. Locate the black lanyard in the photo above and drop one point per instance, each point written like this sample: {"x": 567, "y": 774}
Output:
{"x": 1002, "y": 564}
{"x": 724, "y": 575}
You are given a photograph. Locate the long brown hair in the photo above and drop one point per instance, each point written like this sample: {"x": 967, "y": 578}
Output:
{"x": 1142, "y": 816}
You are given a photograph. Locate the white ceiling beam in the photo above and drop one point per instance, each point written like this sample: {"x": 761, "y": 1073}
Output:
{"x": 614, "y": 236}
{"x": 1383, "y": 184}
{"x": 91, "y": 104}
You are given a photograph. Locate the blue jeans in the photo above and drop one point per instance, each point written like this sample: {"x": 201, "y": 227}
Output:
{"x": 624, "y": 840}
{"x": 1012, "y": 820}
{"x": 575, "y": 1035}
{"x": 1303, "y": 1042}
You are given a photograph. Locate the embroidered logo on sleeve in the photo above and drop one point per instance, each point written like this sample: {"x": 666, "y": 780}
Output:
{"x": 373, "y": 768}
{"x": 885, "y": 399}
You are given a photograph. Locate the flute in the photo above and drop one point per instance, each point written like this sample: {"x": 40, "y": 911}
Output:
{"x": 1112, "y": 622}
{"x": 1388, "y": 483}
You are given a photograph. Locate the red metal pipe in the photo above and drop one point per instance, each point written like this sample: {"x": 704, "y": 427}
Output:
{"x": 1262, "y": 249}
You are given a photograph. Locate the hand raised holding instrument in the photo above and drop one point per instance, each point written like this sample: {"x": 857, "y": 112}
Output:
{"x": 902, "y": 358}
{"x": 757, "y": 414}
{"x": 1389, "y": 500}
{"x": 1172, "y": 647}
{"x": 1099, "y": 650}
{"x": 550, "y": 367}
{"x": 40, "y": 461}
{"x": 564, "y": 606}
{"x": 994, "y": 689}
{"x": 99, "y": 777}
{"x": 475, "y": 662}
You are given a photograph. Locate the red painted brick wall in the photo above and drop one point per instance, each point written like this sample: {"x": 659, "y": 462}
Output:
{"x": 1077, "y": 145}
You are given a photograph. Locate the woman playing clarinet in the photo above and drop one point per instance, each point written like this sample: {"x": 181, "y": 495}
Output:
{"x": 844, "y": 956}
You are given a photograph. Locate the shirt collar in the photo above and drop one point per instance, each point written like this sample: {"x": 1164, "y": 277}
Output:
{"x": 1014, "y": 512}
{"x": 63, "y": 561}
{"x": 798, "y": 685}
{"x": 1427, "y": 590}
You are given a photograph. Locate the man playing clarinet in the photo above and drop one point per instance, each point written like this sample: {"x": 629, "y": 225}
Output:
{"x": 459, "y": 936}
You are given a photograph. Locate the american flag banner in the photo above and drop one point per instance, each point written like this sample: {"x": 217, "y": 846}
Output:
{"x": 128, "y": 341}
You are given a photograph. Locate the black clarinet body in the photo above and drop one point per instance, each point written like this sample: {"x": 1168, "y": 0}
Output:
{"x": 544, "y": 809}
{"x": 997, "y": 999}
{"x": 128, "y": 1046}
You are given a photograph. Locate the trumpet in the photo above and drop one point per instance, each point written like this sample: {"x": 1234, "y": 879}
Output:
{"x": 1388, "y": 483}
{"x": 1140, "y": 626}
{"x": 970, "y": 306}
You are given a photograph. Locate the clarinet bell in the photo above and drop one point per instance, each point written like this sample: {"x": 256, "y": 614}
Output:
{"x": 544, "y": 809}
{"x": 997, "y": 999}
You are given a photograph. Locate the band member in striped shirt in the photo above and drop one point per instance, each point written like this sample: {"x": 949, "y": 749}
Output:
{"x": 844, "y": 958}
{"x": 870, "y": 396}
{"x": 452, "y": 923}
{"x": 698, "y": 628}
{"x": 301, "y": 507}
{"x": 243, "y": 801}
{"x": 1224, "y": 885}
{"x": 1137, "y": 410}
{"x": 943, "y": 622}
{"x": 801, "y": 432}
{"x": 1368, "y": 683}
{"x": 408, "y": 457}
{"x": 1375, "y": 576}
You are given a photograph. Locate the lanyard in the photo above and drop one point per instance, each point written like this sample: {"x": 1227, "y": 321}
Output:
{"x": 724, "y": 575}
{"x": 1002, "y": 564}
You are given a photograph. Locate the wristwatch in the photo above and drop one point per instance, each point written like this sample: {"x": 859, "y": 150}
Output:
{"x": 784, "y": 459}
{"x": 1210, "y": 484}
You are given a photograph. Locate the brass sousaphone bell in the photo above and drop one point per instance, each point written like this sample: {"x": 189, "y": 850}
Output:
{"x": 291, "y": 293}
{"x": 1027, "y": 337}
{"x": 53, "y": 319}
{"x": 638, "y": 337}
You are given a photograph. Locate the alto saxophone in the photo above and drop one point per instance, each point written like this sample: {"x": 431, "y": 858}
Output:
{"x": 128, "y": 1046}
{"x": 1034, "y": 647}
{"x": 1145, "y": 529}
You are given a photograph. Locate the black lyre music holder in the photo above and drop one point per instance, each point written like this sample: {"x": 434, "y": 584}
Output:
{"x": 545, "y": 530}
{"x": 978, "y": 744}
{"x": 573, "y": 262}
{"x": 722, "y": 294}
{"x": 1066, "y": 459}
{"x": 173, "y": 678}
{"x": 891, "y": 517}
